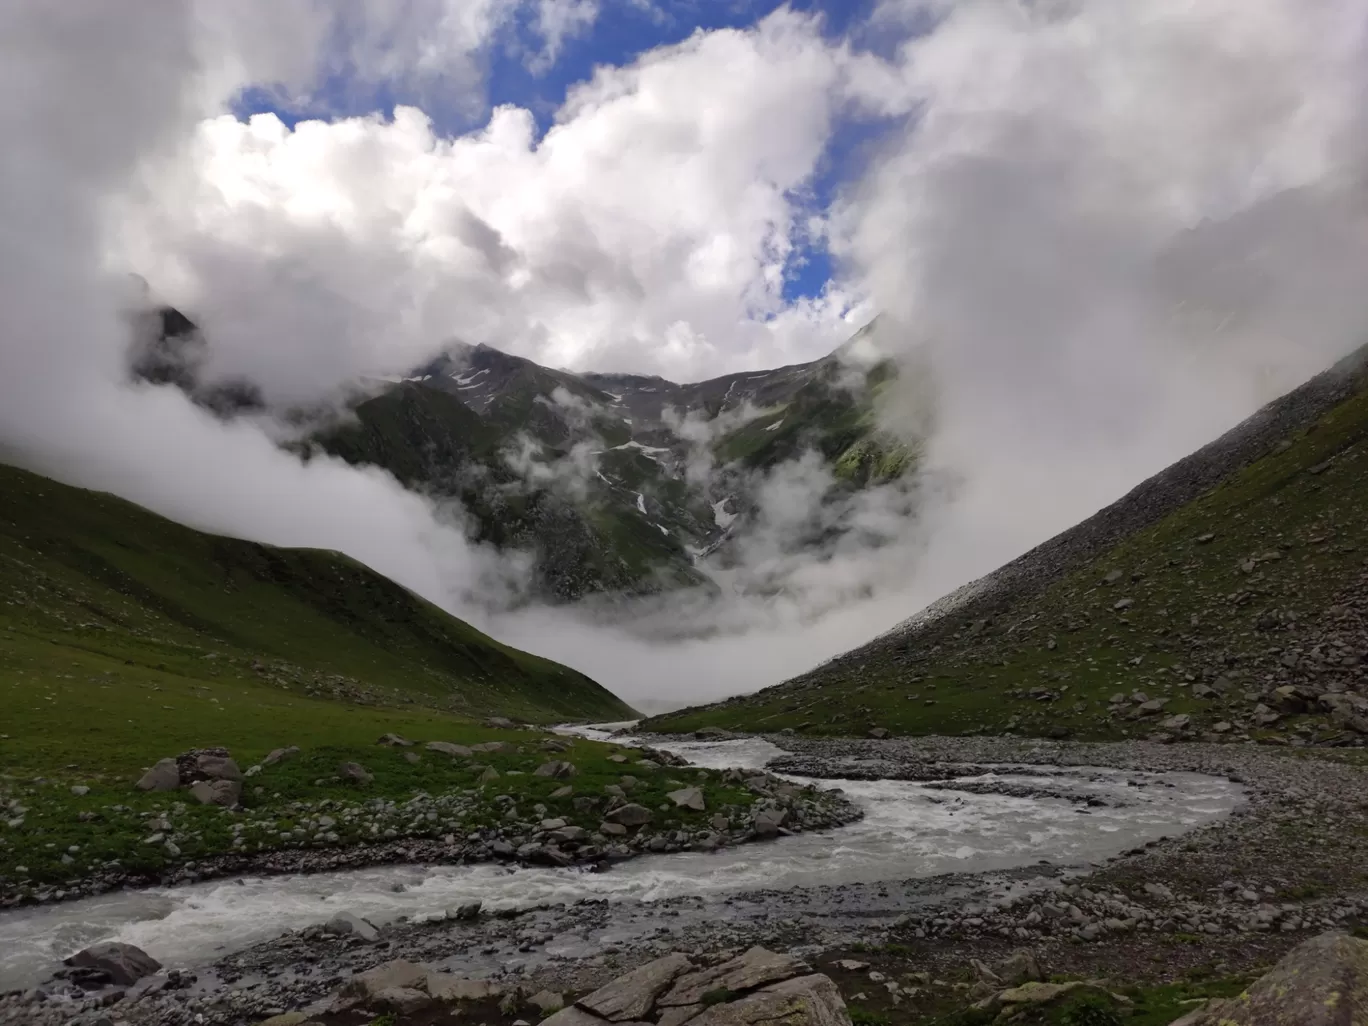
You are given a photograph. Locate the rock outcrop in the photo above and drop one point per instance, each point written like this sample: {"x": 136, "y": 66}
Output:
{"x": 1322, "y": 982}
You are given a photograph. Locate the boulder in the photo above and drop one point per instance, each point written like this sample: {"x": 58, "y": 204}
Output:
{"x": 753, "y": 968}
{"x": 1347, "y": 711}
{"x": 500, "y": 722}
{"x": 1035, "y": 995}
{"x": 217, "y": 792}
{"x": 1018, "y": 968}
{"x": 557, "y": 769}
{"x": 632, "y": 997}
{"x": 347, "y": 923}
{"x": 395, "y": 741}
{"x": 164, "y": 776}
{"x": 123, "y": 963}
{"x": 289, "y": 1019}
{"x": 768, "y": 821}
{"x": 547, "y": 1001}
{"x": 447, "y": 748}
{"x": 688, "y": 798}
{"x": 629, "y": 815}
{"x": 1321, "y": 982}
{"x": 499, "y": 747}
{"x": 450, "y": 989}
{"x": 878, "y": 733}
{"x": 403, "y": 1000}
{"x": 804, "y": 1001}
{"x": 355, "y": 773}
{"x": 573, "y": 1015}
{"x": 365, "y": 987}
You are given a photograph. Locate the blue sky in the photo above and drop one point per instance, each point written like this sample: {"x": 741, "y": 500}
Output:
{"x": 623, "y": 30}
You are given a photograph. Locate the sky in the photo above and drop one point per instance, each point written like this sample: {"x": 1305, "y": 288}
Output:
{"x": 1095, "y": 234}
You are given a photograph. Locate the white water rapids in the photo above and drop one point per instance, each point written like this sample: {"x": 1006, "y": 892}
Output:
{"x": 909, "y": 831}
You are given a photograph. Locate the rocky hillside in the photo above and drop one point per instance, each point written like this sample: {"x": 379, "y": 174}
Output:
{"x": 1224, "y": 599}
{"x": 124, "y": 603}
{"x": 616, "y": 484}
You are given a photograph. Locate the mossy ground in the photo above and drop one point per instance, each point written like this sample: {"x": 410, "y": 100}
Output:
{"x": 1284, "y": 537}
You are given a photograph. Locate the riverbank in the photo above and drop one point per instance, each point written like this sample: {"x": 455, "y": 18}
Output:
{"x": 509, "y": 796}
{"x": 1219, "y": 899}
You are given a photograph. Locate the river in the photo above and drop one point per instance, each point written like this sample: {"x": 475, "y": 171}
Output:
{"x": 910, "y": 831}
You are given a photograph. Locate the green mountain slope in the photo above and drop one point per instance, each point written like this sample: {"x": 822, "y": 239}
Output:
{"x": 1223, "y": 599}
{"x": 616, "y": 485}
{"x": 87, "y": 578}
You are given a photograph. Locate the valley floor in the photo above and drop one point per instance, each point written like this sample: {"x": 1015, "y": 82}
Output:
{"x": 1178, "y": 919}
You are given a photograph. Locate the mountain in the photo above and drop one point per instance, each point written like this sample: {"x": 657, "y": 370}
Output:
{"x": 89, "y": 579}
{"x": 615, "y": 484}
{"x": 1223, "y": 599}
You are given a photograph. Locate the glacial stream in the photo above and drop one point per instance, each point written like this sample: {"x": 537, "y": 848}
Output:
{"x": 909, "y": 831}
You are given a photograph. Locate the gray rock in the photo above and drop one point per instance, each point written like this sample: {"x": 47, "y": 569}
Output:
{"x": 347, "y": 923}
{"x": 217, "y": 767}
{"x": 495, "y": 747}
{"x": 80, "y": 790}
{"x": 364, "y": 987}
{"x": 164, "y": 776}
{"x": 500, "y": 722}
{"x": 547, "y": 1001}
{"x": 447, "y": 748}
{"x": 489, "y": 775}
{"x": 355, "y": 772}
{"x": 574, "y": 1015}
{"x": 280, "y": 755}
{"x": 1018, "y": 968}
{"x": 751, "y": 969}
{"x": 878, "y": 733}
{"x": 217, "y": 792}
{"x": 805, "y": 1001}
{"x": 768, "y": 821}
{"x": 450, "y": 989}
{"x": 124, "y": 963}
{"x": 556, "y": 769}
{"x": 688, "y": 798}
{"x": 1322, "y": 982}
{"x": 629, "y": 815}
{"x": 404, "y": 1000}
{"x": 395, "y": 741}
{"x": 633, "y": 996}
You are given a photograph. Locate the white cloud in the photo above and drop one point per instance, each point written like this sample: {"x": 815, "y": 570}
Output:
{"x": 1030, "y": 229}
{"x": 556, "y": 22}
{"x": 646, "y": 231}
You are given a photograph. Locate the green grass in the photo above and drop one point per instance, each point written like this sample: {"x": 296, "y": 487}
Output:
{"x": 102, "y": 603}
{"x": 111, "y": 821}
{"x": 1284, "y": 539}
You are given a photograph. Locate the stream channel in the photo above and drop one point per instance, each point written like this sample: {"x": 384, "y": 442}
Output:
{"x": 910, "y": 832}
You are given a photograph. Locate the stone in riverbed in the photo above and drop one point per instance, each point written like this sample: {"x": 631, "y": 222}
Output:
{"x": 768, "y": 821}
{"x": 124, "y": 963}
{"x": 634, "y": 995}
{"x": 404, "y": 1000}
{"x": 347, "y": 923}
{"x": 366, "y": 987}
{"x": 450, "y": 989}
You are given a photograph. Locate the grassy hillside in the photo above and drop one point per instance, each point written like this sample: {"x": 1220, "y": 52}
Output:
{"x": 103, "y": 604}
{"x": 1227, "y": 615}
